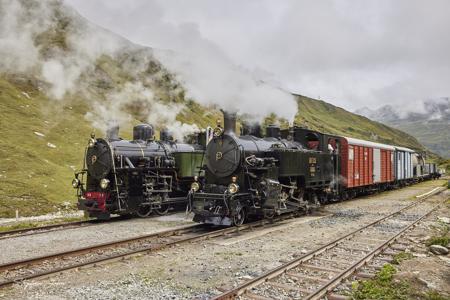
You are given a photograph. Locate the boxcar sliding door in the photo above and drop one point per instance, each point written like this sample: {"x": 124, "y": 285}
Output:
{"x": 376, "y": 165}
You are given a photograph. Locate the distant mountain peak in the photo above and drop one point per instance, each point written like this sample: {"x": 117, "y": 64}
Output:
{"x": 382, "y": 114}
{"x": 430, "y": 109}
{"x": 429, "y": 122}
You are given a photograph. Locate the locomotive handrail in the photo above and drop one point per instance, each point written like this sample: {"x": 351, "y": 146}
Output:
{"x": 115, "y": 175}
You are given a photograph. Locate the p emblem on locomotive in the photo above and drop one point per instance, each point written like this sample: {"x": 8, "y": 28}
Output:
{"x": 93, "y": 159}
{"x": 219, "y": 155}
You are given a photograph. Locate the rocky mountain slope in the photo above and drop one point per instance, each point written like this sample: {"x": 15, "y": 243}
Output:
{"x": 62, "y": 78}
{"x": 320, "y": 115}
{"x": 431, "y": 127}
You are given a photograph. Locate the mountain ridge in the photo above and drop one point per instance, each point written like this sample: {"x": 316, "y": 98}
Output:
{"x": 49, "y": 109}
{"x": 431, "y": 126}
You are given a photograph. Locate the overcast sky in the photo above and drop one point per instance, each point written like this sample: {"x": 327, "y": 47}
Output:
{"x": 351, "y": 53}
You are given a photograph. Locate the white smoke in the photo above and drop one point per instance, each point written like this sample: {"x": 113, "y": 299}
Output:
{"x": 24, "y": 23}
{"x": 212, "y": 79}
{"x": 70, "y": 68}
{"x": 61, "y": 76}
{"x": 180, "y": 130}
{"x": 17, "y": 47}
{"x": 113, "y": 111}
{"x": 210, "y": 76}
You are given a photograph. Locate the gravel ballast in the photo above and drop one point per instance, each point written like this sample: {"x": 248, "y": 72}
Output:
{"x": 195, "y": 270}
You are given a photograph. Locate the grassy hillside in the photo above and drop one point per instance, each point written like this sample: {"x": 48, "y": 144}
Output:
{"x": 36, "y": 170}
{"x": 35, "y": 177}
{"x": 43, "y": 139}
{"x": 434, "y": 134}
{"x": 322, "y": 116}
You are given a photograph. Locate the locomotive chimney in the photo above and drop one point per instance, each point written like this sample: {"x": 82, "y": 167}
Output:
{"x": 273, "y": 131}
{"x": 112, "y": 133}
{"x": 229, "y": 122}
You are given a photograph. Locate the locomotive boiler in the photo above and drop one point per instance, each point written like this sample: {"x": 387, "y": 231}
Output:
{"x": 252, "y": 176}
{"x": 136, "y": 177}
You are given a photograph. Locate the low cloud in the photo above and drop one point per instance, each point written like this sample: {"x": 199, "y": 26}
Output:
{"x": 351, "y": 53}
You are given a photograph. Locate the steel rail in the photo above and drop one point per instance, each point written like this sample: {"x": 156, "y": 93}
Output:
{"x": 54, "y": 227}
{"x": 25, "y": 262}
{"x": 329, "y": 286}
{"x": 17, "y": 232}
{"x": 61, "y": 226}
{"x": 167, "y": 233}
{"x": 246, "y": 286}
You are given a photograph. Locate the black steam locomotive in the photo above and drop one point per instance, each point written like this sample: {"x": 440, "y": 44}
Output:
{"x": 249, "y": 176}
{"x": 137, "y": 177}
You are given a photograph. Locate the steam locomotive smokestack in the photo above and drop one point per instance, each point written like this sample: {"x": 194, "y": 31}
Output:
{"x": 112, "y": 133}
{"x": 229, "y": 122}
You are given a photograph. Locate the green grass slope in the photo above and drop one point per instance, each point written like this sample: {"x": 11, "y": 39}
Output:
{"x": 35, "y": 177}
{"x": 434, "y": 134}
{"x": 43, "y": 140}
{"x": 325, "y": 117}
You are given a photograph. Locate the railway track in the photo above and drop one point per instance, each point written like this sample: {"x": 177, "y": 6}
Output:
{"x": 60, "y": 226}
{"x": 56, "y": 227}
{"x": 317, "y": 273}
{"x": 53, "y": 227}
{"x": 21, "y": 270}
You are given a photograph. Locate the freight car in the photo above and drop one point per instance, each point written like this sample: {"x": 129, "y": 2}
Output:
{"x": 418, "y": 162}
{"x": 136, "y": 177}
{"x": 432, "y": 171}
{"x": 403, "y": 166}
{"x": 366, "y": 166}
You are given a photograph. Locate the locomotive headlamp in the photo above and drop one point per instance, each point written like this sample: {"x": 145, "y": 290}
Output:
{"x": 218, "y": 131}
{"x": 91, "y": 142}
{"x": 233, "y": 188}
{"x": 195, "y": 186}
{"x": 75, "y": 183}
{"x": 104, "y": 183}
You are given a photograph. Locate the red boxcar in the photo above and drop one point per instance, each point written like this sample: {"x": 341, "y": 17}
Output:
{"x": 365, "y": 163}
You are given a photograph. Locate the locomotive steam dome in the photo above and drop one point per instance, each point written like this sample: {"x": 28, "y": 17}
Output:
{"x": 223, "y": 155}
{"x": 98, "y": 160}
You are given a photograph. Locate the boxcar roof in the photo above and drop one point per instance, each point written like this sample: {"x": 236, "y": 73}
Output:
{"x": 404, "y": 149}
{"x": 358, "y": 142}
